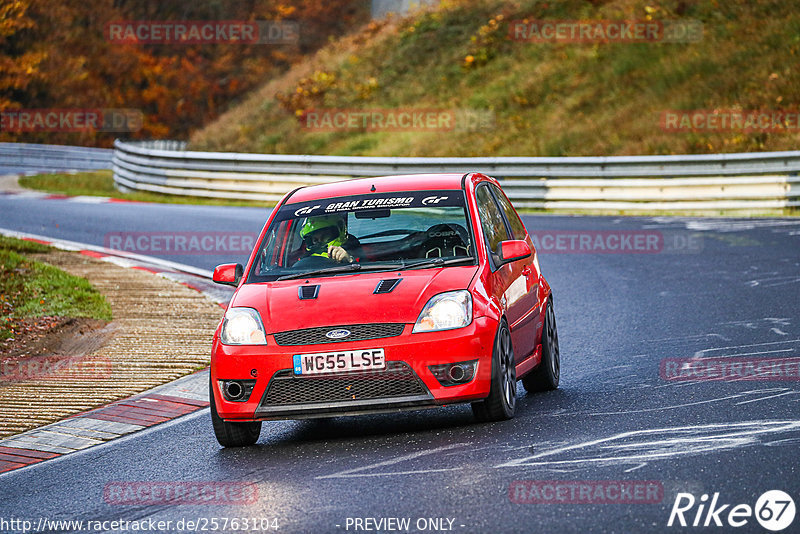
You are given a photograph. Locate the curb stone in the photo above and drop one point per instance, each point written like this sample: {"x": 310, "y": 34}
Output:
{"x": 158, "y": 405}
{"x": 163, "y": 403}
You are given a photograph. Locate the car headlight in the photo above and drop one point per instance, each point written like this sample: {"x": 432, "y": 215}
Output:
{"x": 242, "y": 326}
{"x": 445, "y": 311}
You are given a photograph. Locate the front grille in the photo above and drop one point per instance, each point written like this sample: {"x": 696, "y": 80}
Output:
{"x": 397, "y": 380}
{"x": 358, "y": 332}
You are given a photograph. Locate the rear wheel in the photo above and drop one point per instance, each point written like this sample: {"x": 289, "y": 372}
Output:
{"x": 546, "y": 376}
{"x": 232, "y": 434}
{"x": 501, "y": 402}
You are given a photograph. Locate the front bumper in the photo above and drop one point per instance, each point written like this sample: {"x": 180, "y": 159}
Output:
{"x": 407, "y": 383}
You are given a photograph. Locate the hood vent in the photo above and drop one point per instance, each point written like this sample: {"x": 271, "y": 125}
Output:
{"x": 386, "y": 286}
{"x": 308, "y": 292}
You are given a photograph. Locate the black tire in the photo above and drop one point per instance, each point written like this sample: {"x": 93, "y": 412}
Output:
{"x": 501, "y": 402}
{"x": 232, "y": 434}
{"x": 546, "y": 376}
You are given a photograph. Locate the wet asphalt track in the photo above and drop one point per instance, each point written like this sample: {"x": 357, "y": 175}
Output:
{"x": 727, "y": 288}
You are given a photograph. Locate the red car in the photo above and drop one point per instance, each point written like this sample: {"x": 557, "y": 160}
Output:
{"x": 383, "y": 294}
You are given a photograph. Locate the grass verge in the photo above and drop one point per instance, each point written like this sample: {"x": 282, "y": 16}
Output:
{"x": 101, "y": 183}
{"x": 31, "y": 289}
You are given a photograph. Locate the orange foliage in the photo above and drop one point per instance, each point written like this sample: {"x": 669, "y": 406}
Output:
{"x": 57, "y": 55}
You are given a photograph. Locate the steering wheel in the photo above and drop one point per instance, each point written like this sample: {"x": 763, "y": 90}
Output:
{"x": 314, "y": 262}
{"x": 445, "y": 240}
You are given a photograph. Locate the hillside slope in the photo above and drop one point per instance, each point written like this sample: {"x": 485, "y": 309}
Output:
{"x": 549, "y": 99}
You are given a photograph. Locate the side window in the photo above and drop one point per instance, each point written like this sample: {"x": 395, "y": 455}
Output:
{"x": 494, "y": 228}
{"x": 517, "y": 228}
{"x": 281, "y": 243}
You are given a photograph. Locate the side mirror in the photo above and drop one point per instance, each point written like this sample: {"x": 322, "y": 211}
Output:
{"x": 229, "y": 274}
{"x": 509, "y": 251}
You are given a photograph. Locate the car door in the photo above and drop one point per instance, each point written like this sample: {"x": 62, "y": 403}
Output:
{"x": 528, "y": 304}
{"x": 510, "y": 283}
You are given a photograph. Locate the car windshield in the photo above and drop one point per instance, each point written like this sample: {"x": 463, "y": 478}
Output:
{"x": 386, "y": 231}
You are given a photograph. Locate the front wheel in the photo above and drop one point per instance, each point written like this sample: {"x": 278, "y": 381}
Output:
{"x": 232, "y": 434}
{"x": 502, "y": 399}
{"x": 546, "y": 376}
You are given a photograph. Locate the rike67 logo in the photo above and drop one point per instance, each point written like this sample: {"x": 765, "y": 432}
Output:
{"x": 774, "y": 510}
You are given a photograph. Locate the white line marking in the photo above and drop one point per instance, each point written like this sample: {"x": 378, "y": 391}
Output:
{"x": 739, "y": 354}
{"x": 687, "y": 338}
{"x": 391, "y": 473}
{"x": 783, "y": 280}
{"x": 636, "y": 467}
{"x": 623, "y": 448}
{"x": 88, "y": 200}
{"x": 674, "y": 406}
{"x": 392, "y": 461}
{"x": 701, "y": 353}
{"x": 770, "y": 397}
{"x": 660, "y": 408}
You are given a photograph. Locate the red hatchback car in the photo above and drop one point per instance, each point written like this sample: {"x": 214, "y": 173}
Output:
{"x": 383, "y": 294}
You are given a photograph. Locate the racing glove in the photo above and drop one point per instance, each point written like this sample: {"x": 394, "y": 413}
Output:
{"x": 339, "y": 254}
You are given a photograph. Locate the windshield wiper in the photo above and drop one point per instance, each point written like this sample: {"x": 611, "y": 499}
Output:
{"x": 438, "y": 262}
{"x": 383, "y": 266}
{"x": 330, "y": 270}
{"x": 402, "y": 266}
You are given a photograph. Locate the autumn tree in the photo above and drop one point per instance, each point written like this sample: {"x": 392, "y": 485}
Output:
{"x": 57, "y": 55}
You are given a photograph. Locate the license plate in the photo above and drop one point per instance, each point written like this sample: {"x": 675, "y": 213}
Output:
{"x": 339, "y": 362}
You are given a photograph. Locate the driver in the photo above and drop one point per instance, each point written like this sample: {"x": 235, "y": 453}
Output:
{"x": 326, "y": 236}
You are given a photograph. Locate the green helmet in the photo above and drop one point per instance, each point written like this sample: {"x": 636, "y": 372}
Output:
{"x": 321, "y": 222}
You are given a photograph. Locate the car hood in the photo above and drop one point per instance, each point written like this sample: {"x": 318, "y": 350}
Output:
{"x": 349, "y": 299}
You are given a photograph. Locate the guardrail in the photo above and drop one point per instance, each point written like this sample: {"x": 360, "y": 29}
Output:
{"x": 748, "y": 181}
{"x": 30, "y": 157}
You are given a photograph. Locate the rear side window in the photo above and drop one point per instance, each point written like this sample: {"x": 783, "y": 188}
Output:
{"x": 494, "y": 228}
{"x": 517, "y": 228}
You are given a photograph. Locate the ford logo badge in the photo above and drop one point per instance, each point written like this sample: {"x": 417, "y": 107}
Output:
{"x": 337, "y": 334}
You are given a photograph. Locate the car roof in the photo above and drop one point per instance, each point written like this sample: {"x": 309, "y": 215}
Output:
{"x": 387, "y": 184}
